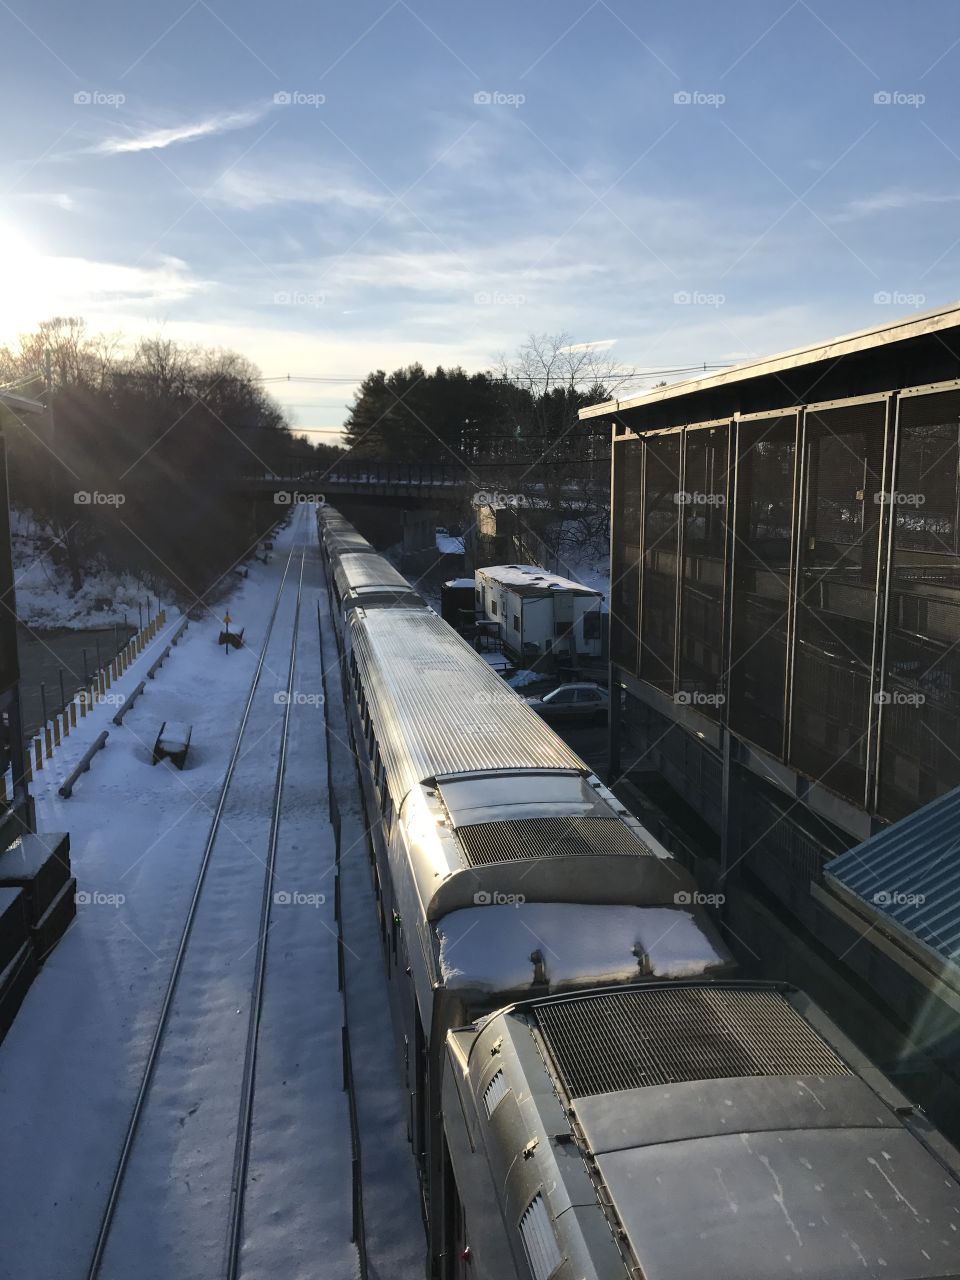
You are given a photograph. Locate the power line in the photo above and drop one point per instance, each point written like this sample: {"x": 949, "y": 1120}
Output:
{"x": 626, "y": 375}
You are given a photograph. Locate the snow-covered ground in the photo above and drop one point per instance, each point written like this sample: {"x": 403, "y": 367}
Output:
{"x": 73, "y": 1060}
{"x": 44, "y": 593}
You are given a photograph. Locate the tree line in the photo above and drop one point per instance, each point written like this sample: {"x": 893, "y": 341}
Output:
{"x": 513, "y": 430}
{"x": 143, "y": 458}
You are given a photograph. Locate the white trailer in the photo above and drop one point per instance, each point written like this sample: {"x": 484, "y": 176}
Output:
{"x": 540, "y": 613}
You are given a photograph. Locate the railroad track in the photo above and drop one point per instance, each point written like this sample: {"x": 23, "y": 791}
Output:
{"x": 230, "y": 806}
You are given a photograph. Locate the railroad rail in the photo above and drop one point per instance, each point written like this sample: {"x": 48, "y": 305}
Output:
{"x": 234, "y": 1226}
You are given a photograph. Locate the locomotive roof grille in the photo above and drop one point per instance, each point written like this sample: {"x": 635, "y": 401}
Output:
{"x": 631, "y": 1039}
{"x": 486, "y": 843}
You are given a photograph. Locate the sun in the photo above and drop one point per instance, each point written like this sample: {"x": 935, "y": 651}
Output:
{"x": 24, "y": 282}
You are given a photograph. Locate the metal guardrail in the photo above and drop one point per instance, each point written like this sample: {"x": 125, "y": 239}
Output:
{"x": 118, "y": 718}
{"x": 165, "y": 653}
{"x": 358, "y": 1233}
{"x": 66, "y": 790}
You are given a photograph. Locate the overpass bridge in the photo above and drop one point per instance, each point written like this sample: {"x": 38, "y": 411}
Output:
{"x": 394, "y": 481}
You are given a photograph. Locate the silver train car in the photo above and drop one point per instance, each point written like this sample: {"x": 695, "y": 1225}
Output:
{"x": 503, "y": 866}
{"x": 685, "y": 1132}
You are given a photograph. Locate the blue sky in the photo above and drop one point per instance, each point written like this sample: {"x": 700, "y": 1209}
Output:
{"x": 684, "y": 181}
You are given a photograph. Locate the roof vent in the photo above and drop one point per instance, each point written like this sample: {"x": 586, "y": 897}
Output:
{"x": 495, "y": 1092}
{"x": 539, "y": 1241}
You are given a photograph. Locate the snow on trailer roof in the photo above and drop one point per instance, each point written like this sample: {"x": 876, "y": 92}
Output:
{"x": 906, "y": 879}
{"x": 439, "y": 709}
{"x": 530, "y": 579}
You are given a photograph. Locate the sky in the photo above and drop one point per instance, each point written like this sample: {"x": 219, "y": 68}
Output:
{"x": 333, "y": 188}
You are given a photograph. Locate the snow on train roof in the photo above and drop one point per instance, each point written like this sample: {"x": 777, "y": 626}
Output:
{"x": 531, "y": 578}
{"x": 356, "y": 571}
{"x": 439, "y": 709}
{"x": 488, "y": 947}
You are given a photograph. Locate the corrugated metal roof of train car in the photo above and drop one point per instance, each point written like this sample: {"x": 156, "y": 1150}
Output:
{"x": 439, "y": 709}
{"x": 907, "y": 877}
{"x": 357, "y": 571}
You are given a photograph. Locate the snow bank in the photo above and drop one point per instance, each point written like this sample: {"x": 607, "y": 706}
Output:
{"x": 489, "y": 947}
{"x": 44, "y": 594}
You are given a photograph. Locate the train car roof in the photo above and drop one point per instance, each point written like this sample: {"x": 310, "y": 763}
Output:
{"x": 367, "y": 579}
{"x": 439, "y": 709}
{"x": 728, "y": 1130}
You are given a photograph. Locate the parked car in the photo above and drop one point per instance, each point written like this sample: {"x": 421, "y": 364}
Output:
{"x": 581, "y": 701}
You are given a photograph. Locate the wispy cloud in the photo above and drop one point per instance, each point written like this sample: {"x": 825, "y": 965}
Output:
{"x": 158, "y": 139}
{"x": 895, "y": 198}
{"x": 601, "y": 344}
{"x": 294, "y": 184}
